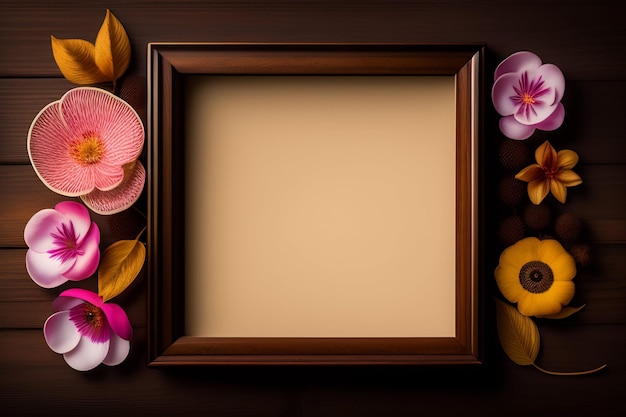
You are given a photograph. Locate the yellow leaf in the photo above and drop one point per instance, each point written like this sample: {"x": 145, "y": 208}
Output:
{"x": 565, "y": 312}
{"x": 518, "y": 334}
{"x": 76, "y": 60}
{"x": 120, "y": 265}
{"x": 112, "y": 49}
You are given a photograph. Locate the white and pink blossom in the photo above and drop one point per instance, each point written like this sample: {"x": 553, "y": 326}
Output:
{"x": 88, "y": 331}
{"x": 528, "y": 93}
{"x": 63, "y": 244}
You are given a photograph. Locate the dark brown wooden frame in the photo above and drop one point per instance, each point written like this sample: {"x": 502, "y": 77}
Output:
{"x": 168, "y": 64}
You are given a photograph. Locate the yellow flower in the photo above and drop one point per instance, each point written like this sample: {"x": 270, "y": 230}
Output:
{"x": 552, "y": 172}
{"x": 537, "y": 275}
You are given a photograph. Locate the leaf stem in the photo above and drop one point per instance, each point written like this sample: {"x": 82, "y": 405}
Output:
{"x": 569, "y": 373}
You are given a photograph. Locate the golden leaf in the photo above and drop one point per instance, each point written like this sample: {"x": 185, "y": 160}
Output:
{"x": 120, "y": 265}
{"x": 565, "y": 312}
{"x": 76, "y": 60}
{"x": 518, "y": 334}
{"x": 112, "y": 48}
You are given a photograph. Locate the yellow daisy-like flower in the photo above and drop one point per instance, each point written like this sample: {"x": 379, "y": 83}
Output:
{"x": 537, "y": 275}
{"x": 552, "y": 172}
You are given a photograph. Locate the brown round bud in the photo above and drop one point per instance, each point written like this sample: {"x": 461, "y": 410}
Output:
{"x": 511, "y": 190}
{"x": 537, "y": 217}
{"x": 514, "y": 154}
{"x": 511, "y": 230}
{"x": 581, "y": 253}
{"x": 133, "y": 90}
{"x": 568, "y": 227}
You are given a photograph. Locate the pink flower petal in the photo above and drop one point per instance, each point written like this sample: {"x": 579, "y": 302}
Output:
{"x": 87, "y": 263}
{"x": 84, "y": 113}
{"x": 47, "y": 143}
{"x": 541, "y": 111}
{"x": 66, "y": 303}
{"x": 118, "y": 351}
{"x": 517, "y": 62}
{"x": 554, "y": 121}
{"x": 120, "y": 198}
{"x": 78, "y": 214}
{"x": 111, "y": 118}
{"x": 501, "y": 93}
{"x": 45, "y": 271}
{"x": 118, "y": 320}
{"x": 38, "y": 231}
{"x": 552, "y": 76}
{"x": 512, "y": 129}
{"x": 60, "y": 333}
{"x": 107, "y": 177}
{"x": 86, "y": 355}
{"x": 82, "y": 294}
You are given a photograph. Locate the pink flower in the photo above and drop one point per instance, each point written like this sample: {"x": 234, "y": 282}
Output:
{"x": 83, "y": 142}
{"x": 88, "y": 331}
{"x": 528, "y": 94}
{"x": 63, "y": 245}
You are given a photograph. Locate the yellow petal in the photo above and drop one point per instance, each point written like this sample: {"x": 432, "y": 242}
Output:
{"x": 563, "y": 267}
{"x": 546, "y": 155}
{"x": 76, "y": 60}
{"x": 558, "y": 190}
{"x": 112, "y": 49}
{"x": 560, "y": 292}
{"x": 567, "y": 159}
{"x": 568, "y": 177}
{"x": 508, "y": 283}
{"x": 561, "y": 263}
{"x": 525, "y": 250}
{"x": 518, "y": 334}
{"x": 531, "y": 173}
{"x": 539, "y": 304}
{"x": 121, "y": 263}
{"x": 538, "y": 190}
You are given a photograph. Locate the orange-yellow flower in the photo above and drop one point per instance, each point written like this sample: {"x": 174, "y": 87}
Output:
{"x": 537, "y": 275}
{"x": 552, "y": 172}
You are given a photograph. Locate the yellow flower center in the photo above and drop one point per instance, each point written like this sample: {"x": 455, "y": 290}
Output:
{"x": 87, "y": 150}
{"x": 536, "y": 277}
{"x": 528, "y": 99}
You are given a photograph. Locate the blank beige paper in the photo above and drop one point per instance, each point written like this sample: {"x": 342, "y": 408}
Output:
{"x": 320, "y": 206}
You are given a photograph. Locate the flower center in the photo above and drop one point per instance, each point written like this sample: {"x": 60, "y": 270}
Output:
{"x": 528, "y": 99}
{"x": 91, "y": 322}
{"x": 536, "y": 277}
{"x": 65, "y": 243}
{"x": 88, "y": 150}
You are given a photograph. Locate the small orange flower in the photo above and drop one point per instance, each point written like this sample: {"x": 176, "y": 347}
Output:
{"x": 552, "y": 172}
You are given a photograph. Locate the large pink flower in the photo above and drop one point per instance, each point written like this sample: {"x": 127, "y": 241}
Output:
{"x": 63, "y": 245}
{"x": 82, "y": 143}
{"x": 528, "y": 94}
{"x": 88, "y": 331}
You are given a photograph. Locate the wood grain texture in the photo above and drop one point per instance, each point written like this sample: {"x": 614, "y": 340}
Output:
{"x": 586, "y": 39}
{"x": 559, "y": 31}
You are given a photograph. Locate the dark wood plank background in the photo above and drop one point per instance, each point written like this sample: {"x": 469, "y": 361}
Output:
{"x": 586, "y": 39}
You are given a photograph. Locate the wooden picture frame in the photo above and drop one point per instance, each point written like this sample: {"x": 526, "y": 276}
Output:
{"x": 168, "y": 67}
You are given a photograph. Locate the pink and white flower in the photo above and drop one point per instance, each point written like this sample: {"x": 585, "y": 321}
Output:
{"x": 88, "y": 331}
{"x": 63, "y": 245}
{"x": 528, "y": 94}
{"x": 83, "y": 142}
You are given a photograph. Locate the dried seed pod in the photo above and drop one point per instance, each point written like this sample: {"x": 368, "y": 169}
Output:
{"x": 511, "y": 230}
{"x": 511, "y": 191}
{"x": 568, "y": 228}
{"x": 537, "y": 217}
{"x": 514, "y": 154}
